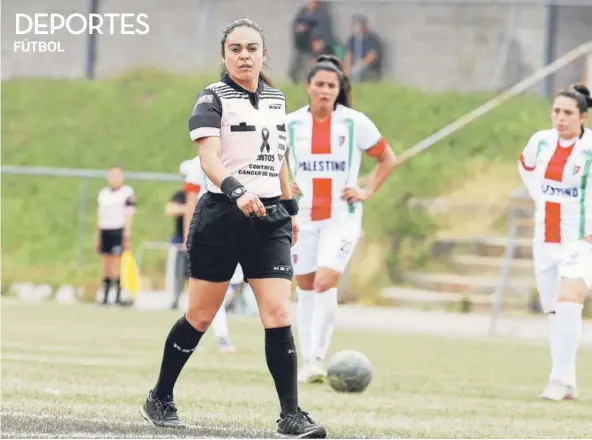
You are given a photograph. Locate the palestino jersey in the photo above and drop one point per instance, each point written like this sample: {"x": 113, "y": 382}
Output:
{"x": 325, "y": 157}
{"x": 557, "y": 174}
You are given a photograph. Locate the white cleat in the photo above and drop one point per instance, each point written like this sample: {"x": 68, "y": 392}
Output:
{"x": 304, "y": 373}
{"x": 318, "y": 374}
{"x": 556, "y": 390}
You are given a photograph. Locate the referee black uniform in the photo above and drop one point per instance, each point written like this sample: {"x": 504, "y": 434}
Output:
{"x": 253, "y": 145}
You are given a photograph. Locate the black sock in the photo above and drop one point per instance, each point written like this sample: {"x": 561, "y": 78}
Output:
{"x": 118, "y": 287}
{"x": 106, "y": 285}
{"x": 179, "y": 346}
{"x": 280, "y": 353}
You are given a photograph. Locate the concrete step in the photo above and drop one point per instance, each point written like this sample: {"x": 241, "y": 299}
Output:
{"x": 445, "y": 282}
{"x": 482, "y": 246}
{"x": 405, "y": 296}
{"x": 410, "y": 295}
{"x": 491, "y": 266}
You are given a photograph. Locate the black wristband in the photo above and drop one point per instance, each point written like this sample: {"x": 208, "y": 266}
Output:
{"x": 291, "y": 206}
{"x": 232, "y": 188}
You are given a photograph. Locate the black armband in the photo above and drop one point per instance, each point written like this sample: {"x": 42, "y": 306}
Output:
{"x": 291, "y": 206}
{"x": 232, "y": 188}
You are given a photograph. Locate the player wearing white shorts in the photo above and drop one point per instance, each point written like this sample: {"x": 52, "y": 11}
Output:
{"x": 327, "y": 140}
{"x": 194, "y": 182}
{"x": 556, "y": 167}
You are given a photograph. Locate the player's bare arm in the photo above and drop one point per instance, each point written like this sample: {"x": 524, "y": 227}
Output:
{"x": 385, "y": 163}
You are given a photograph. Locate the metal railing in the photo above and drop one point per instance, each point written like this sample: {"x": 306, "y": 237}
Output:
{"x": 518, "y": 217}
{"x": 85, "y": 175}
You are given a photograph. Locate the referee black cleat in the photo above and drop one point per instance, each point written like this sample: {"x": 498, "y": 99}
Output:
{"x": 298, "y": 424}
{"x": 161, "y": 412}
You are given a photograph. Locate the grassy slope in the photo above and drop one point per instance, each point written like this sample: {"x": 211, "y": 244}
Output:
{"x": 69, "y": 383}
{"x": 140, "y": 122}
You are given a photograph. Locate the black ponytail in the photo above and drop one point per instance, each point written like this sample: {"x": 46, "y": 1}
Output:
{"x": 331, "y": 63}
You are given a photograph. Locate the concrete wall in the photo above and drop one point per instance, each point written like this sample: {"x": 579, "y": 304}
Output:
{"x": 434, "y": 47}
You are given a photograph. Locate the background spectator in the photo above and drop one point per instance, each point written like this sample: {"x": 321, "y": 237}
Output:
{"x": 313, "y": 20}
{"x": 363, "y": 59}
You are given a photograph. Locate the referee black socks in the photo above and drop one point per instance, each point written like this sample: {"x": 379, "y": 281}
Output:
{"x": 106, "y": 286}
{"x": 179, "y": 346}
{"x": 280, "y": 353}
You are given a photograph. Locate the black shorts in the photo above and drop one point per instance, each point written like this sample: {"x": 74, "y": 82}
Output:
{"x": 111, "y": 241}
{"x": 221, "y": 236}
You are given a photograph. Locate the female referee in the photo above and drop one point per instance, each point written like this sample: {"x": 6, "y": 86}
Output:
{"x": 115, "y": 208}
{"x": 246, "y": 217}
{"x": 556, "y": 167}
{"x": 327, "y": 140}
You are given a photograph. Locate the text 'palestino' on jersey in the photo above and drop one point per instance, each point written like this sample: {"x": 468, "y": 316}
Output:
{"x": 325, "y": 158}
{"x": 251, "y": 130}
{"x": 558, "y": 177}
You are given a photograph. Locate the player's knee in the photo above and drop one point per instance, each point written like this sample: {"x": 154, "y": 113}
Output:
{"x": 572, "y": 290}
{"x": 275, "y": 315}
{"x": 324, "y": 283}
{"x": 199, "y": 319}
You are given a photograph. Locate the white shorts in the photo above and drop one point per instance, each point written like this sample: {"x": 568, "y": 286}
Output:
{"x": 555, "y": 261}
{"x": 238, "y": 276}
{"x": 327, "y": 244}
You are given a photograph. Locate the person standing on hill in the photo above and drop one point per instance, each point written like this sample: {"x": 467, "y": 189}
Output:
{"x": 556, "y": 168}
{"x": 116, "y": 207}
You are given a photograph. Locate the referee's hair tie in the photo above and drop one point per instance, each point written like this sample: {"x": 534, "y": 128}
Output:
{"x": 291, "y": 206}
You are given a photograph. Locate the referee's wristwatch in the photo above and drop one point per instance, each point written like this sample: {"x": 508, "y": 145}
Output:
{"x": 237, "y": 192}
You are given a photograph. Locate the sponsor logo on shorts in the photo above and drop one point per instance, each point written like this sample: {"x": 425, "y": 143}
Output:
{"x": 282, "y": 268}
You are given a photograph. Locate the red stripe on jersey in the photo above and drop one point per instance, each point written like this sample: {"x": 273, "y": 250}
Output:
{"x": 321, "y": 198}
{"x": 554, "y": 171}
{"x": 321, "y": 137}
{"x": 378, "y": 148}
{"x": 191, "y": 188}
{"x": 523, "y": 162}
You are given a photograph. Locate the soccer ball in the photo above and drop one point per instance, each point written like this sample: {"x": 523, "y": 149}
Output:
{"x": 349, "y": 371}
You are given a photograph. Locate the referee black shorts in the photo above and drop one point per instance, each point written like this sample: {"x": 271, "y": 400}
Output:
{"x": 221, "y": 236}
{"x": 111, "y": 241}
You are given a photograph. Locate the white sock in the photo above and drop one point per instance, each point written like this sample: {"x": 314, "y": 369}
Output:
{"x": 569, "y": 334}
{"x": 323, "y": 322}
{"x": 305, "y": 310}
{"x": 553, "y": 342}
{"x": 219, "y": 323}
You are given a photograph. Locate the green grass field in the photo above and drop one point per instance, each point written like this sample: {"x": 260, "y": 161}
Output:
{"x": 139, "y": 120}
{"x": 80, "y": 371}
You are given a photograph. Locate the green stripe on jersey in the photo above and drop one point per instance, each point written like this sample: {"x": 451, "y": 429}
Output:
{"x": 350, "y": 152}
{"x": 583, "y": 190}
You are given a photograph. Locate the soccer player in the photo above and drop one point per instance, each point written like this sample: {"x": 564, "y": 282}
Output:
{"x": 247, "y": 217}
{"x": 115, "y": 208}
{"x": 556, "y": 169}
{"x": 327, "y": 141}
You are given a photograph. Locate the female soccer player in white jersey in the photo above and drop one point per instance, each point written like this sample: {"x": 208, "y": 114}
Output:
{"x": 556, "y": 169}
{"x": 327, "y": 140}
{"x": 115, "y": 208}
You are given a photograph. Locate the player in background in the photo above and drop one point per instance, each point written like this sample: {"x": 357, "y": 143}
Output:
{"x": 115, "y": 209}
{"x": 193, "y": 179}
{"x": 556, "y": 169}
{"x": 327, "y": 140}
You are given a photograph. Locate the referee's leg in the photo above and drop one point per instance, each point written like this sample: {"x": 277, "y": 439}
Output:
{"x": 267, "y": 264}
{"x": 212, "y": 262}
